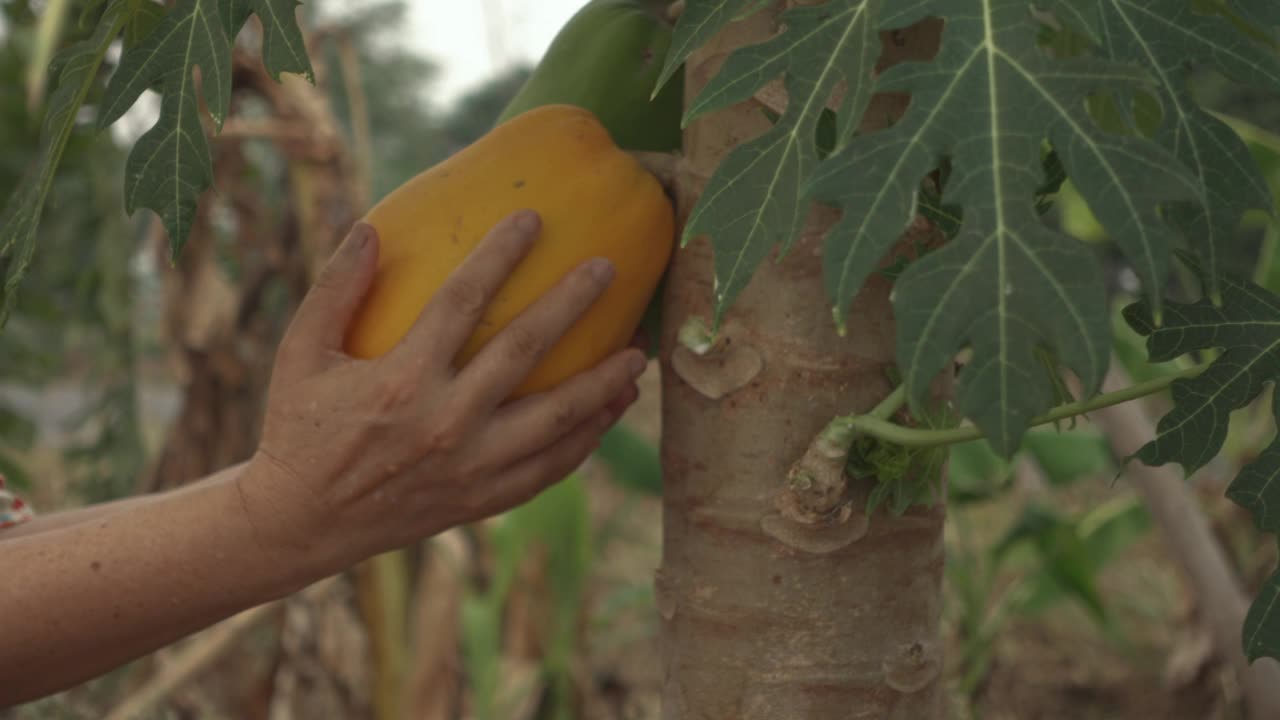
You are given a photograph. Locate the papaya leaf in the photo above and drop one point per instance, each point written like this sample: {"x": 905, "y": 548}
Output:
{"x": 753, "y": 202}
{"x": 1246, "y": 327}
{"x": 1261, "y": 631}
{"x": 1007, "y": 283}
{"x": 1076, "y": 15}
{"x": 142, "y": 21}
{"x": 1262, "y": 12}
{"x": 1167, "y": 38}
{"x": 170, "y": 165}
{"x": 700, "y": 20}
{"x": 1257, "y": 486}
{"x": 75, "y": 68}
{"x": 283, "y": 48}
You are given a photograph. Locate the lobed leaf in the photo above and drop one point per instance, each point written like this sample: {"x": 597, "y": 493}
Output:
{"x": 1246, "y": 328}
{"x": 1261, "y": 631}
{"x": 283, "y": 47}
{"x": 1007, "y": 284}
{"x": 753, "y": 201}
{"x": 699, "y": 22}
{"x": 1257, "y": 487}
{"x": 170, "y": 166}
{"x": 1262, "y": 12}
{"x": 1165, "y": 37}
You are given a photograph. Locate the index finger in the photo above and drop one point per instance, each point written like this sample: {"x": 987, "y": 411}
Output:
{"x": 453, "y": 313}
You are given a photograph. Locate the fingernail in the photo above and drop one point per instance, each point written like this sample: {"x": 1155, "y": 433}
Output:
{"x": 601, "y": 269}
{"x": 527, "y": 221}
{"x": 361, "y": 234}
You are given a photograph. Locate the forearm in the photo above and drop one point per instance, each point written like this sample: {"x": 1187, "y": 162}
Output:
{"x": 44, "y": 522}
{"x": 81, "y": 600}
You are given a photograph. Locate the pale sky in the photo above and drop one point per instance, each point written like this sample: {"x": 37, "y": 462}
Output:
{"x": 472, "y": 40}
{"x": 452, "y": 33}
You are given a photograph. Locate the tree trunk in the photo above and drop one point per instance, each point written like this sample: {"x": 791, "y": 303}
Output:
{"x": 763, "y": 618}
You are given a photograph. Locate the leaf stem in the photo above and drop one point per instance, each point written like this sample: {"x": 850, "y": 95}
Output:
{"x": 879, "y": 427}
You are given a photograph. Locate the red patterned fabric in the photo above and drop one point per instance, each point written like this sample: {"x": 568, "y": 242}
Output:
{"x": 13, "y": 510}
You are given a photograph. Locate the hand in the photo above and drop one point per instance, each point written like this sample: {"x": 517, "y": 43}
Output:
{"x": 358, "y": 457}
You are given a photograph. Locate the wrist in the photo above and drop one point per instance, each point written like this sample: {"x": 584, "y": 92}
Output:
{"x": 285, "y": 527}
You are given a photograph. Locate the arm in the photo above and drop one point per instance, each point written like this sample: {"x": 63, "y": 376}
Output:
{"x": 357, "y": 457}
{"x": 45, "y": 522}
{"x": 155, "y": 571}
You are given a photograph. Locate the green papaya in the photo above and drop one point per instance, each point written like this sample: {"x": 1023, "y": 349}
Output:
{"x": 606, "y": 59}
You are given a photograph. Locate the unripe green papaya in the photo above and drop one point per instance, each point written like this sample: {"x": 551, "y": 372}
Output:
{"x": 606, "y": 59}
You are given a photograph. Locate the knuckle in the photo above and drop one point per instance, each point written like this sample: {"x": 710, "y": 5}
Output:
{"x": 564, "y": 415}
{"x": 523, "y": 343}
{"x": 394, "y": 393}
{"x": 444, "y": 436}
{"x": 465, "y": 297}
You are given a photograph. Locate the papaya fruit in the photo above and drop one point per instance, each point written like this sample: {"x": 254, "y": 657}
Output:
{"x": 606, "y": 58}
{"x": 595, "y": 200}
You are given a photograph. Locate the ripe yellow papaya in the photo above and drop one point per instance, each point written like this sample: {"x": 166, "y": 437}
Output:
{"x": 595, "y": 200}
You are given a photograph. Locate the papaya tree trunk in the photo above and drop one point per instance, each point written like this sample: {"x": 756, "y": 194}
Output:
{"x": 764, "y": 617}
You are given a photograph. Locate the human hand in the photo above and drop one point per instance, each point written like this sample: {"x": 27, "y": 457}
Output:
{"x": 358, "y": 457}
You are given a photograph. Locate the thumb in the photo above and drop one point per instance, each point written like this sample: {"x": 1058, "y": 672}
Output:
{"x": 329, "y": 306}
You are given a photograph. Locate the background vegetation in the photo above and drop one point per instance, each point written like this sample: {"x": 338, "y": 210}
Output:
{"x": 1063, "y": 600}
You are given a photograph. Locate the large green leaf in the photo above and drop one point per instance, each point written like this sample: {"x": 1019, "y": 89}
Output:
{"x": 753, "y": 202}
{"x": 1261, "y": 631}
{"x": 1166, "y": 37}
{"x": 1263, "y": 12}
{"x": 170, "y": 165}
{"x": 1007, "y": 283}
{"x": 1246, "y": 329}
{"x": 75, "y": 68}
{"x": 698, "y": 23}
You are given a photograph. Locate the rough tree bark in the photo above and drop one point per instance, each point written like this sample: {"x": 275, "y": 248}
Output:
{"x": 763, "y": 618}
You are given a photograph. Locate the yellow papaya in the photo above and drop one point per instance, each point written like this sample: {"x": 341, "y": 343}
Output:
{"x": 595, "y": 200}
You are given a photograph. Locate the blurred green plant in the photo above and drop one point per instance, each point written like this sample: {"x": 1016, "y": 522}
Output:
{"x": 75, "y": 321}
{"x": 554, "y": 527}
{"x": 1044, "y": 559}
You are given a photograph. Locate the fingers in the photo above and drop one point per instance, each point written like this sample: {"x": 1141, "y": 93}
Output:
{"x": 535, "y": 422}
{"x": 322, "y": 319}
{"x": 453, "y": 313}
{"x": 502, "y": 364}
{"x": 523, "y": 481}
